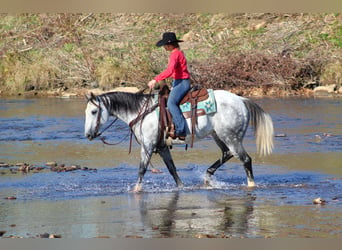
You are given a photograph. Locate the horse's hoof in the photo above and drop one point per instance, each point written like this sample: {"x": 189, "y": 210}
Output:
{"x": 250, "y": 184}
{"x": 137, "y": 188}
{"x": 181, "y": 185}
{"x": 207, "y": 184}
{"x": 208, "y": 181}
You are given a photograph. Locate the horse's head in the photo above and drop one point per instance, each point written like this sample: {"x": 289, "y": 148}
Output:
{"x": 96, "y": 115}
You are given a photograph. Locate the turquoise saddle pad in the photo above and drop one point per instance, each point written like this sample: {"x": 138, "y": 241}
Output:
{"x": 209, "y": 105}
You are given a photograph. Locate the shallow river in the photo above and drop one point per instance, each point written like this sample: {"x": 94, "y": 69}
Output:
{"x": 97, "y": 202}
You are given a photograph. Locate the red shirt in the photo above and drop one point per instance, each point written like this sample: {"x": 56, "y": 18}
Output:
{"x": 177, "y": 68}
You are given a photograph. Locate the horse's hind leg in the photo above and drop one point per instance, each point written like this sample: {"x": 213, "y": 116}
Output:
{"x": 226, "y": 155}
{"x": 240, "y": 153}
{"x": 164, "y": 152}
{"x": 237, "y": 150}
{"x": 247, "y": 163}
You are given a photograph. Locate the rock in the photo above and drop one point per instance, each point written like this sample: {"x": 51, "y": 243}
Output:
{"x": 21, "y": 164}
{"x": 63, "y": 168}
{"x": 11, "y": 198}
{"x": 325, "y": 90}
{"x": 51, "y": 164}
{"x": 44, "y": 235}
{"x": 25, "y": 168}
{"x": 71, "y": 168}
{"x": 318, "y": 201}
{"x": 4, "y": 165}
{"x": 339, "y": 91}
{"x": 2, "y": 233}
{"x": 58, "y": 168}
{"x": 328, "y": 88}
{"x": 55, "y": 236}
{"x": 68, "y": 95}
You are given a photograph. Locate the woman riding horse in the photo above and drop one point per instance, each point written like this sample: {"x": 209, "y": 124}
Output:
{"x": 177, "y": 69}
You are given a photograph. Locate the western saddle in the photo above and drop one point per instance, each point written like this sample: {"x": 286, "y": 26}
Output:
{"x": 166, "y": 125}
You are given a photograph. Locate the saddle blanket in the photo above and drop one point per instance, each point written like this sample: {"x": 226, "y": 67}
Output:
{"x": 208, "y": 105}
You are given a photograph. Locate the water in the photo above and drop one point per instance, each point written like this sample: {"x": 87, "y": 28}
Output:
{"x": 306, "y": 164}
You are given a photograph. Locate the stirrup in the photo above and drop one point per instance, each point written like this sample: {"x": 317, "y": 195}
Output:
{"x": 169, "y": 141}
{"x": 174, "y": 137}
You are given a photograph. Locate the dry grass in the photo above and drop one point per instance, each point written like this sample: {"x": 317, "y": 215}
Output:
{"x": 240, "y": 51}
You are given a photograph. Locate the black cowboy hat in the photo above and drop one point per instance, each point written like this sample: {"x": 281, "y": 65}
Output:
{"x": 168, "y": 37}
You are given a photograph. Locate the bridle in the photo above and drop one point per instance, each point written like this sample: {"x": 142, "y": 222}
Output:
{"x": 142, "y": 113}
{"x": 98, "y": 119}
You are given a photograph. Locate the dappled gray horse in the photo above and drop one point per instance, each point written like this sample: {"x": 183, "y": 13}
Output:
{"x": 227, "y": 126}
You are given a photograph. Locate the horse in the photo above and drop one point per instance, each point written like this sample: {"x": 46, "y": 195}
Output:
{"x": 227, "y": 126}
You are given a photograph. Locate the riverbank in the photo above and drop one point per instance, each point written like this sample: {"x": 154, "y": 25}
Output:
{"x": 251, "y": 54}
{"x": 328, "y": 91}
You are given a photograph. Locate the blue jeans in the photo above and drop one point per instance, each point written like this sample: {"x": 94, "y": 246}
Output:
{"x": 179, "y": 88}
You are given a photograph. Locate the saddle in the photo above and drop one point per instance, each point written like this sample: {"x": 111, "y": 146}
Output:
{"x": 194, "y": 95}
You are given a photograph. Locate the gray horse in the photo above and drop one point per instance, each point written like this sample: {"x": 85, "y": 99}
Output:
{"x": 227, "y": 127}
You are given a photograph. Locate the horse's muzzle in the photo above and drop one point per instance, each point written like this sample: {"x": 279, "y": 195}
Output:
{"x": 90, "y": 137}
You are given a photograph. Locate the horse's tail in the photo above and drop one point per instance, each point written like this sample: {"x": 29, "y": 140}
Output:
{"x": 263, "y": 127}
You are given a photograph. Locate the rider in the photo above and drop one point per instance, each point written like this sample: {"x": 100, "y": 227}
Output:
{"x": 177, "y": 69}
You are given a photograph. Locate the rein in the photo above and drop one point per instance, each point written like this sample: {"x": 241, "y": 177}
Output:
{"x": 141, "y": 115}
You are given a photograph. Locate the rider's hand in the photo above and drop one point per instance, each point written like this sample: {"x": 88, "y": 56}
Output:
{"x": 152, "y": 83}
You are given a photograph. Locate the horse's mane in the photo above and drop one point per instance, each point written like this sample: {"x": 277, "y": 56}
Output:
{"x": 124, "y": 101}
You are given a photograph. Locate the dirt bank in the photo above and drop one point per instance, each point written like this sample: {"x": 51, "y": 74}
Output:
{"x": 254, "y": 54}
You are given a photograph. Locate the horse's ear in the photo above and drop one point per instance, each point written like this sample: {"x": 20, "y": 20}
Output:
{"x": 87, "y": 97}
{"x": 90, "y": 97}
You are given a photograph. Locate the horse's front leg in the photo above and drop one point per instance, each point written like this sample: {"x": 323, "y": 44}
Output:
{"x": 146, "y": 155}
{"x": 167, "y": 158}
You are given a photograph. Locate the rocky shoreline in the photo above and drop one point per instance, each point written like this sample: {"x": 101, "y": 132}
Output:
{"x": 23, "y": 167}
{"x": 310, "y": 90}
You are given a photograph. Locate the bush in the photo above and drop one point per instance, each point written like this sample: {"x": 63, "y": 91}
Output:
{"x": 255, "y": 70}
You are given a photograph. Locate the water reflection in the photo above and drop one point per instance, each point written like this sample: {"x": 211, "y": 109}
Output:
{"x": 192, "y": 214}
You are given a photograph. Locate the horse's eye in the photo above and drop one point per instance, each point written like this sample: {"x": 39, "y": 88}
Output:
{"x": 94, "y": 112}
